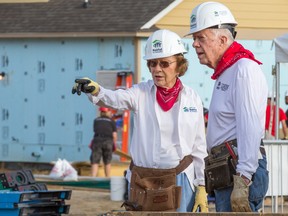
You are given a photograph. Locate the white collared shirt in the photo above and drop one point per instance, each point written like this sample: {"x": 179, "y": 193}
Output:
{"x": 145, "y": 144}
{"x": 237, "y": 111}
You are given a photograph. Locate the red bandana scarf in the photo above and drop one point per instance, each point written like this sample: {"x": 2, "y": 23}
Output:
{"x": 167, "y": 97}
{"x": 235, "y": 52}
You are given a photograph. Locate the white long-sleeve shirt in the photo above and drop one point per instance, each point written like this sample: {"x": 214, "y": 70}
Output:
{"x": 237, "y": 111}
{"x": 146, "y": 143}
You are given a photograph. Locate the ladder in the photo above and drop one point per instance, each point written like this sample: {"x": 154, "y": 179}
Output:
{"x": 124, "y": 80}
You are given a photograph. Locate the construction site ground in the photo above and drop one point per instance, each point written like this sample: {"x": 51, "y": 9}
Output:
{"x": 97, "y": 201}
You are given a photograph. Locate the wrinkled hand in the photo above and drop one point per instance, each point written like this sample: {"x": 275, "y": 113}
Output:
{"x": 201, "y": 199}
{"x": 85, "y": 85}
{"x": 239, "y": 196}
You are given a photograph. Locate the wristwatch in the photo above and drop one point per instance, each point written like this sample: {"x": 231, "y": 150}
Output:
{"x": 246, "y": 180}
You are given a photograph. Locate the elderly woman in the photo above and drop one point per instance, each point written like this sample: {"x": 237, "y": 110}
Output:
{"x": 168, "y": 142}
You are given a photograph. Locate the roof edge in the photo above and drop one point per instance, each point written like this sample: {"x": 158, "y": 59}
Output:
{"x": 73, "y": 34}
{"x": 160, "y": 15}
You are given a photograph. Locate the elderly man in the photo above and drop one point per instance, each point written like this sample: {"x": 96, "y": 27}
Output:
{"x": 235, "y": 168}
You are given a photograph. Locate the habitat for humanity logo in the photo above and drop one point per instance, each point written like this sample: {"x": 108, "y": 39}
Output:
{"x": 190, "y": 109}
{"x": 157, "y": 46}
{"x": 193, "y": 23}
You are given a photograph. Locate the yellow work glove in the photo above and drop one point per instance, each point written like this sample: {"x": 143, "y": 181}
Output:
{"x": 239, "y": 196}
{"x": 201, "y": 200}
{"x": 85, "y": 85}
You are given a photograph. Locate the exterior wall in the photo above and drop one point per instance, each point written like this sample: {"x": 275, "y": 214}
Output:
{"x": 263, "y": 20}
{"x": 41, "y": 120}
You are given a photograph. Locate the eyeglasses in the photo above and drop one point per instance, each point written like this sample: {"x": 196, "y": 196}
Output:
{"x": 162, "y": 64}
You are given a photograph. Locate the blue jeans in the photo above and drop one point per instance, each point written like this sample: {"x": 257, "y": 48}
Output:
{"x": 257, "y": 190}
{"x": 187, "y": 195}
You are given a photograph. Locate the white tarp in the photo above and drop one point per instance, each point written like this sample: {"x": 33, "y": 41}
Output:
{"x": 277, "y": 153}
{"x": 281, "y": 48}
{"x": 277, "y": 166}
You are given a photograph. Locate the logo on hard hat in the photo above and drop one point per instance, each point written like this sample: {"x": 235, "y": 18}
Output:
{"x": 157, "y": 46}
{"x": 193, "y": 21}
{"x": 220, "y": 13}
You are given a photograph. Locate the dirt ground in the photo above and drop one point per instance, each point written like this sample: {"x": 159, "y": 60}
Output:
{"x": 96, "y": 202}
{"x": 85, "y": 202}
{"x": 89, "y": 201}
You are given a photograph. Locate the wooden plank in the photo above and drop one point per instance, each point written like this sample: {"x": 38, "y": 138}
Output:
{"x": 23, "y": 1}
{"x": 122, "y": 154}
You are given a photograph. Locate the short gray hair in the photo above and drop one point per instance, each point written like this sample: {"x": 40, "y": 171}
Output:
{"x": 225, "y": 32}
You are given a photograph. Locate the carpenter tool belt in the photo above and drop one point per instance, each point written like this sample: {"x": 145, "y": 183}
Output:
{"x": 155, "y": 189}
{"x": 220, "y": 165}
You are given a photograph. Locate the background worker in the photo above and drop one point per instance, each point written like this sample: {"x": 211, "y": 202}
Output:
{"x": 286, "y": 102}
{"x": 168, "y": 143}
{"x": 205, "y": 113}
{"x": 271, "y": 119}
{"x": 104, "y": 140}
{"x": 236, "y": 113}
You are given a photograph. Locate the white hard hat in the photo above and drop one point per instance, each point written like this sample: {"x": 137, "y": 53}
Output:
{"x": 210, "y": 14}
{"x": 270, "y": 94}
{"x": 286, "y": 93}
{"x": 163, "y": 43}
